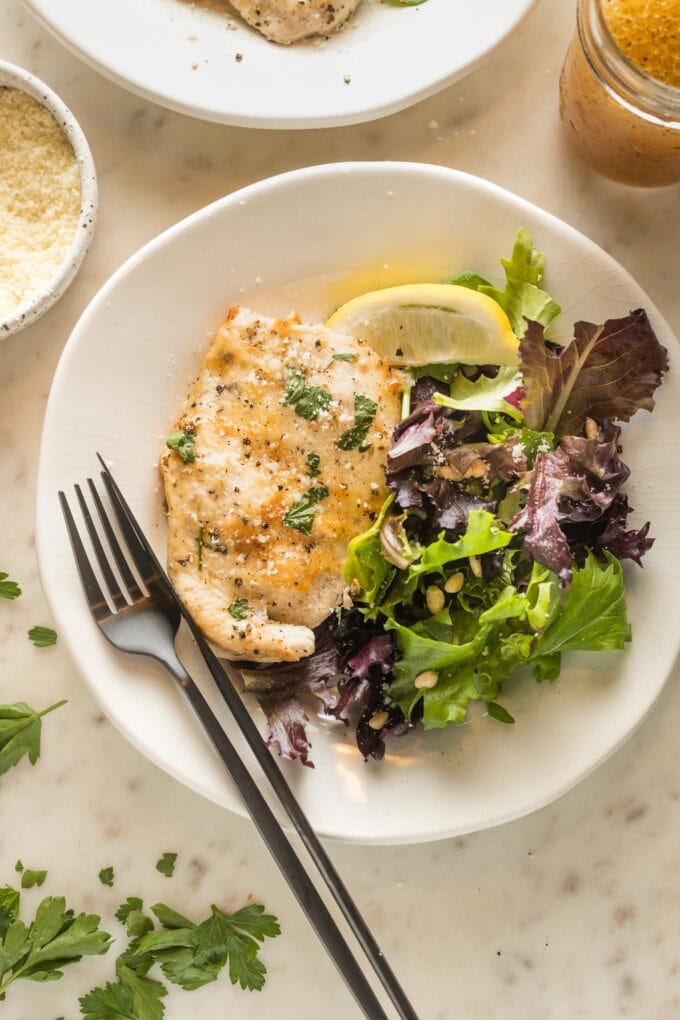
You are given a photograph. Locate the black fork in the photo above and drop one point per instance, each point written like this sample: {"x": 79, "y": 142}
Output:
{"x": 146, "y": 623}
{"x": 228, "y": 680}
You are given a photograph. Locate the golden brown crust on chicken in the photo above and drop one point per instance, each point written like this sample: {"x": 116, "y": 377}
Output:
{"x": 255, "y": 458}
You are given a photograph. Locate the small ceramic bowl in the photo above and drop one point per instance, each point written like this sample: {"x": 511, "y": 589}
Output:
{"x": 39, "y": 302}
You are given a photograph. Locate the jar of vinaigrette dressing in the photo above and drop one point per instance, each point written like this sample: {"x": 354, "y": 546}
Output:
{"x": 620, "y": 89}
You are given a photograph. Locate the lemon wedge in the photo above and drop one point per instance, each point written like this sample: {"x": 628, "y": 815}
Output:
{"x": 430, "y": 323}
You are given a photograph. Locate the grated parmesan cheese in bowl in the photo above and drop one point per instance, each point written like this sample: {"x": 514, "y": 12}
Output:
{"x": 48, "y": 197}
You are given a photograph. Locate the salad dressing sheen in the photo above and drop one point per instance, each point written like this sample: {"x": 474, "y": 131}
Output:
{"x": 648, "y": 33}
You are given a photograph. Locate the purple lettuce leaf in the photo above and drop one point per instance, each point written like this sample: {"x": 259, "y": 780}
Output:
{"x": 412, "y": 437}
{"x": 574, "y": 503}
{"x": 363, "y": 671}
{"x": 539, "y": 518}
{"x": 607, "y": 371}
{"x": 352, "y": 671}
{"x": 370, "y": 671}
{"x": 451, "y": 504}
{"x": 599, "y": 456}
{"x": 378, "y": 651}
{"x": 287, "y": 733}
{"x": 425, "y": 388}
{"x": 506, "y": 461}
{"x": 407, "y": 489}
{"x": 278, "y": 690}
{"x": 469, "y": 429}
{"x": 371, "y": 742}
{"x": 609, "y": 532}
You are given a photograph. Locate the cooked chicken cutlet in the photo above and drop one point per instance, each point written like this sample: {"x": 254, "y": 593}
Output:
{"x": 289, "y": 21}
{"x": 278, "y": 461}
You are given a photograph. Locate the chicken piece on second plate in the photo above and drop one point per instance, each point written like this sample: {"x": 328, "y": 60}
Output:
{"x": 289, "y": 21}
{"x": 288, "y": 426}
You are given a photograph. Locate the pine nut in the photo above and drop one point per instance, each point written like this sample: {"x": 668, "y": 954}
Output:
{"x": 477, "y": 469}
{"x": 591, "y": 428}
{"x": 426, "y": 681}
{"x": 377, "y": 721}
{"x": 454, "y": 584}
{"x": 475, "y": 565}
{"x": 434, "y": 599}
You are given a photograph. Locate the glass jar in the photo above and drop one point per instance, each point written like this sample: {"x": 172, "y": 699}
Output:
{"x": 623, "y": 122}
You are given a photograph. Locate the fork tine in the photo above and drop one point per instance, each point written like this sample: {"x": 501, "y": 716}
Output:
{"x": 147, "y": 564}
{"x": 110, "y": 580}
{"x": 122, "y": 563}
{"x": 96, "y": 601}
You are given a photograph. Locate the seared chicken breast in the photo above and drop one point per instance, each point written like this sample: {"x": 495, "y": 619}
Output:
{"x": 289, "y": 21}
{"x": 276, "y": 463}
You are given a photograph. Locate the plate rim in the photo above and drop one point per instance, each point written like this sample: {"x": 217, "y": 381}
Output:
{"x": 433, "y": 834}
{"x": 290, "y": 121}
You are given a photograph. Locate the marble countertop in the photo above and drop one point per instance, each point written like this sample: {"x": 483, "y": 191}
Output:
{"x": 572, "y": 912}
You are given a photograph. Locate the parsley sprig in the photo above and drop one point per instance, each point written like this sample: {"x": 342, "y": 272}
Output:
{"x": 365, "y": 411}
{"x": 42, "y": 637}
{"x": 189, "y": 955}
{"x": 183, "y": 442}
{"x": 20, "y": 730}
{"x": 8, "y": 589}
{"x": 55, "y": 939}
{"x": 308, "y": 401}
{"x": 301, "y": 514}
{"x": 30, "y": 877}
{"x": 166, "y": 865}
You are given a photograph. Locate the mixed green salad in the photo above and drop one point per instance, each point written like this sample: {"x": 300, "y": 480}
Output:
{"x": 500, "y": 546}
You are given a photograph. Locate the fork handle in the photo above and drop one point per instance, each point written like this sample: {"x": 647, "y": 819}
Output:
{"x": 280, "y": 848}
{"x": 227, "y": 680}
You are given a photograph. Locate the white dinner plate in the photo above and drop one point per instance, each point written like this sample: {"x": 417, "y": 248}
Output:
{"x": 311, "y": 239}
{"x": 192, "y": 57}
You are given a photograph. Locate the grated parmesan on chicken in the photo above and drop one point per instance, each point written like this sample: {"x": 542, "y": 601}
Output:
{"x": 40, "y": 196}
{"x": 256, "y": 579}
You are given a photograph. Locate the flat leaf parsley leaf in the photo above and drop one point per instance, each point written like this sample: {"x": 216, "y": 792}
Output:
{"x": 183, "y": 443}
{"x": 193, "y": 955}
{"x": 42, "y": 637}
{"x": 499, "y": 713}
{"x": 308, "y": 401}
{"x": 365, "y": 411}
{"x": 54, "y": 939}
{"x": 301, "y": 514}
{"x": 166, "y": 865}
{"x": 29, "y": 878}
{"x": 344, "y": 357}
{"x": 106, "y": 876}
{"x": 8, "y": 589}
{"x": 133, "y": 997}
{"x": 20, "y": 728}
{"x": 131, "y": 914}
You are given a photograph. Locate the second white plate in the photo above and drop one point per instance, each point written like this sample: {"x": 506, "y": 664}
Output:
{"x": 199, "y": 61}
{"x": 310, "y": 240}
